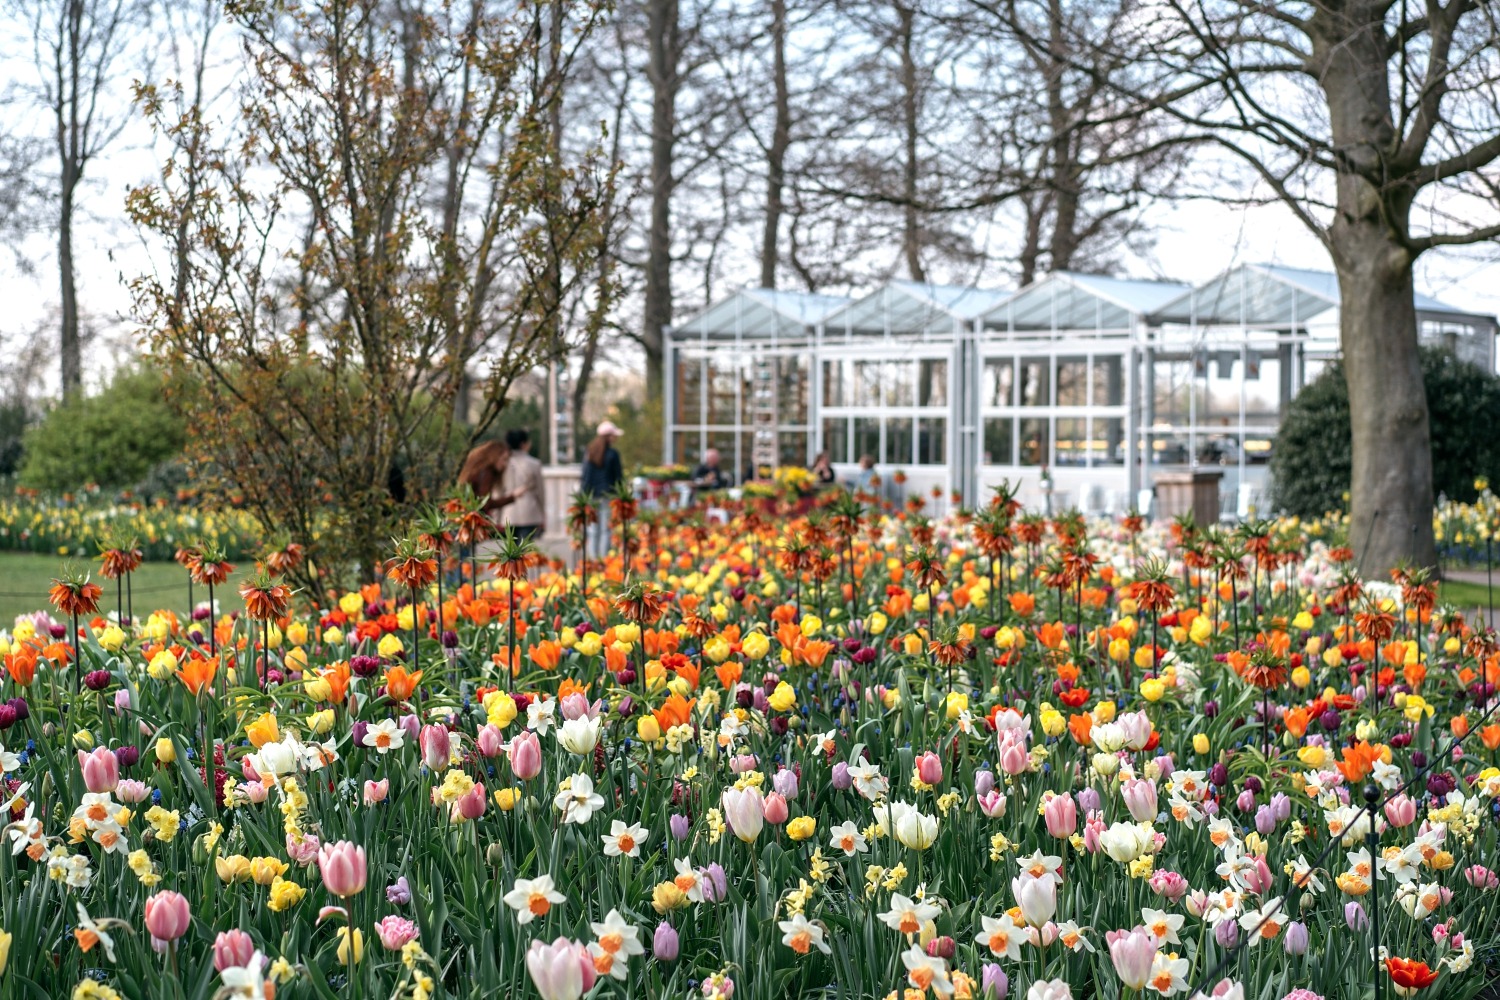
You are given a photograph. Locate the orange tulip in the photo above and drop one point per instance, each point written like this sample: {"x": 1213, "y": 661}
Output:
{"x": 197, "y": 672}
{"x": 21, "y": 665}
{"x": 336, "y": 676}
{"x": 1080, "y": 727}
{"x": 730, "y": 672}
{"x": 547, "y": 654}
{"x": 1459, "y": 725}
{"x": 1296, "y": 720}
{"x": 1023, "y": 604}
{"x": 400, "y": 684}
{"x": 675, "y": 711}
{"x": 1490, "y": 736}
{"x": 1358, "y": 761}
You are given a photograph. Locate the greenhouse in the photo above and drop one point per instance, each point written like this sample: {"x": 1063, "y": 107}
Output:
{"x": 1086, "y": 390}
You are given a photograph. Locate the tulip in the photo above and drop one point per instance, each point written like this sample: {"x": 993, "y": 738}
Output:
{"x": 376, "y": 791}
{"x": 576, "y": 706}
{"x": 1296, "y": 938}
{"x": 992, "y": 804}
{"x": 1354, "y": 916}
{"x": 930, "y": 768}
{"x": 233, "y": 950}
{"x": 1125, "y": 842}
{"x": 1246, "y": 801}
{"x": 740, "y": 763}
{"x": 167, "y": 915}
{"x": 1481, "y": 877}
{"x": 1227, "y": 933}
{"x": 131, "y": 791}
{"x": 101, "y": 770}
{"x": 303, "y": 851}
{"x": 395, "y": 932}
{"x": 1037, "y": 898}
{"x": 744, "y": 810}
{"x": 1140, "y": 799}
{"x": 1133, "y": 952}
{"x": 1049, "y": 989}
{"x": 1265, "y": 820}
{"x": 1088, "y": 800}
{"x": 579, "y": 736}
{"x": 679, "y": 826}
{"x": 471, "y": 804}
{"x": 398, "y": 893}
{"x": 1061, "y": 816}
{"x": 489, "y": 741}
{"x": 993, "y": 982}
{"x": 343, "y": 867}
{"x": 526, "y": 756}
{"x": 664, "y": 943}
{"x": 1014, "y": 758}
{"x": 1401, "y": 811}
{"x": 557, "y": 969}
{"x": 436, "y": 747}
{"x": 840, "y": 778}
{"x": 786, "y": 784}
{"x": 775, "y": 809}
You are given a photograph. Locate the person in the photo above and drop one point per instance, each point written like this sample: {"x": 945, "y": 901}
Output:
{"x": 865, "y": 481}
{"x": 523, "y": 481}
{"x": 709, "y": 476}
{"x": 822, "y": 470}
{"x": 602, "y": 472}
{"x": 482, "y": 472}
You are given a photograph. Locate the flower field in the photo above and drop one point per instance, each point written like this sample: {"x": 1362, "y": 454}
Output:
{"x": 74, "y": 525}
{"x": 855, "y": 754}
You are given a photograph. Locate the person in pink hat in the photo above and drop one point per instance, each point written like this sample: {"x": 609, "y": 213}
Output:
{"x": 602, "y": 472}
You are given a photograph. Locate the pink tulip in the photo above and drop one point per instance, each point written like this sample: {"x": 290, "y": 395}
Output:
{"x": 992, "y": 804}
{"x": 305, "y": 851}
{"x": 526, "y": 756}
{"x": 471, "y": 806}
{"x": 1401, "y": 811}
{"x": 1093, "y": 828}
{"x": 1259, "y": 878}
{"x": 248, "y": 770}
{"x": 1132, "y": 953}
{"x": 255, "y": 791}
{"x": 1481, "y": 877}
{"x": 376, "y": 791}
{"x": 437, "y": 748}
{"x": 233, "y": 950}
{"x": 1061, "y": 816}
{"x": 576, "y": 706}
{"x": 343, "y": 868}
{"x": 930, "y": 768}
{"x": 490, "y": 743}
{"x": 1014, "y": 757}
{"x": 775, "y": 809}
{"x": 101, "y": 769}
{"x": 131, "y": 791}
{"x": 395, "y": 932}
{"x": 740, "y": 763}
{"x": 168, "y": 915}
{"x": 561, "y": 970}
{"x": 1140, "y": 799}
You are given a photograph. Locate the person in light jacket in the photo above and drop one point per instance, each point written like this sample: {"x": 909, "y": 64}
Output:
{"x": 522, "y": 480}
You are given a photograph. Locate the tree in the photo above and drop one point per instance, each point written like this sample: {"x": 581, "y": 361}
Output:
{"x": 111, "y": 439}
{"x": 1310, "y": 469}
{"x": 392, "y": 207}
{"x": 83, "y": 52}
{"x": 1375, "y": 123}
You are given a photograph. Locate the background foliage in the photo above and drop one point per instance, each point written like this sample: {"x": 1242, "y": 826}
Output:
{"x": 113, "y": 439}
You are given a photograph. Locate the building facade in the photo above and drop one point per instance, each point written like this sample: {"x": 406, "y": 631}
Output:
{"x": 1103, "y": 384}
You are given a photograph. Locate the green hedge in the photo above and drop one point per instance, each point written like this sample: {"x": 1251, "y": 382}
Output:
{"x": 112, "y": 439}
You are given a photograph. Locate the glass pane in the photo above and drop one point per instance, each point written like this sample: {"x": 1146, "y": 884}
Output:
{"x": 999, "y": 433}
{"x": 1258, "y": 447}
{"x": 866, "y": 438}
{"x": 723, "y": 397}
{"x": 898, "y": 440}
{"x": 1218, "y": 449}
{"x": 1107, "y": 445}
{"x": 791, "y": 390}
{"x": 999, "y": 382}
{"x": 1035, "y": 448}
{"x": 899, "y": 376}
{"x": 689, "y": 391}
{"x": 836, "y": 439}
{"x": 932, "y": 383}
{"x": 761, "y": 471}
{"x": 932, "y": 441}
{"x": 1171, "y": 391}
{"x": 1072, "y": 443}
{"x": 685, "y": 450}
{"x": 1169, "y": 449}
{"x": 792, "y": 448}
{"x": 1262, "y": 385}
{"x": 866, "y": 388}
{"x": 835, "y": 377}
{"x": 1072, "y": 384}
{"x": 1036, "y": 381}
{"x": 1109, "y": 382}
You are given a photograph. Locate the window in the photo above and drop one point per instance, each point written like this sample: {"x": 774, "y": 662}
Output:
{"x": 898, "y": 440}
{"x": 932, "y": 440}
{"x": 1072, "y": 440}
{"x": 1072, "y": 383}
{"x": 866, "y": 388}
{"x": 1172, "y": 391}
{"x": 999, "y": 436}
{"x": 689, "y": 391}
{"x": 791, "y": 389}
{"x": 1035, "y": 440}
{"x": 1109, "y": 382}
{"x": 932, "y": 383}
{"x": 685, "y": 450}
{"x": 792, "y": 448}
{"x": 898, "y": 381}
{"x": 1107, "y": 443}
{"x": 1169, "y": 449}
{"x": 866, "y": 438}
{"x": 723, "y": 393}
{"x": 999, "y": 382}
{"x": 836, "y": 375}
{"x": 836, "y": 439}
{"x": 1036, "y": 381}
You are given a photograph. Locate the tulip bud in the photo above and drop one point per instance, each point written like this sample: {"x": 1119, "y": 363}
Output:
{"x": 664, "y": 943}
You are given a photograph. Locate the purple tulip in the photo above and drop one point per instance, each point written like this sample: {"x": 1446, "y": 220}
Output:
{"x": 399, "y": 892}
{"x": 664, "y": 943}
{"x": 1246, "y": 801}
{"x": 841, "y": 779}
{"x": 994, "y": 984}
{"x": 1354, "y": 916}
{"x": 1088, "y": 800}
{"x": 1227, "y": 933}
{"x": 715, "y": 882}
{"x": 1265, "y": 820}
{"x": 679, "y": 826}
{"x": 1296, "y": 938}
{"x": 1281, "y": 806}
{"x": 984, "y": 781}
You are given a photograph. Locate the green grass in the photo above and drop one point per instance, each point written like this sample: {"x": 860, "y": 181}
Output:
{"x": 25, "y": 577}
{"x": 1468, "y": 597}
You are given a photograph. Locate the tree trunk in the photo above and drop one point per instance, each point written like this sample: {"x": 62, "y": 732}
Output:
{"x": 911, "y": 230}
{"x": 662, "y": 67}
{"x": 70, "y": 349}
{"x": 1390, "y": 494}
{"x": 1065, "y": 182}
{"x": 781, "y": 138}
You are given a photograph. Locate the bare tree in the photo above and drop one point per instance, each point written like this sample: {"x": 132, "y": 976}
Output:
{"x": 83, "y": 54}
{"x": 1377, "y": 123}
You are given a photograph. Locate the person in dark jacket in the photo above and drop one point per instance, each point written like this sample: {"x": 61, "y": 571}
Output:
{"x": 602, "y": 472}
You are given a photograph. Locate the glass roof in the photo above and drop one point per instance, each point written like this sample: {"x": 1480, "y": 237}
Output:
{"x": 758, "y": 313}
{"x": 914, "y": 307}
{"x": 1065, "y": 300}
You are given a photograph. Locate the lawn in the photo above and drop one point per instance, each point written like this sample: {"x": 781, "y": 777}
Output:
{"x": 25, "y": 577}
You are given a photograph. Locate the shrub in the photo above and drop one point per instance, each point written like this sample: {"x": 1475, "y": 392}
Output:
{"x": 112, "y": 439}
{"x": 1310, "y": 469}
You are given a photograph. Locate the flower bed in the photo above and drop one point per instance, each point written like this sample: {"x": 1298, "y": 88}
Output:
{"x": 861, "y": 755}
{"x": 74, "y": 525}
